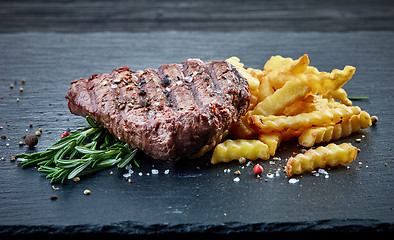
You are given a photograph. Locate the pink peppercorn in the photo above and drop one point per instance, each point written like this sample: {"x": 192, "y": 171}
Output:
{"x": 258, "y": 169}
{"x": 65, "y": 134}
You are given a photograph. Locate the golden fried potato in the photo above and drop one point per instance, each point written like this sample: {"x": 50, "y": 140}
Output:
{"x": 291, "y": 99}
{"x": 272, "y": 140}
{"x": 331, "y": 155}
{"x": 283, "y": 97}
{"x": 316, "y": 135}
{"x": 263, "y": 124}
{"x": 234, "y": 149}
{"x": 279, "y": 76}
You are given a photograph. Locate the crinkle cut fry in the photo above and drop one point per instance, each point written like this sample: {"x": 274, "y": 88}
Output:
{"x": 273, "y": 104}
{"x": 316, "y": 135}
{"x": 321, "y": 83}
{"x": 278, "y": 65}
{"x": 331, "y": 155}
{"x": 272, "y": 140}
{"x": 262, "y": 124}
{"x": 234, "y": 149}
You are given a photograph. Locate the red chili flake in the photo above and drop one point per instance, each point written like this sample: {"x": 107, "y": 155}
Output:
{"x": 258, "y": 169}
{"x": 65, "y": 134}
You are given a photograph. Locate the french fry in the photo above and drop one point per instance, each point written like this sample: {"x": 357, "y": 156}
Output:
{"x": 291, "y": 99}
{"x": 331, "y": 155}
{"x": 293, "y": 68}
{"x": 318, "y": 135}
{"x": 263, "y": 124}
{"x": 265, "y": 88}
{"x": 234, "y": 149}
{"x": 272, "y": 140}
{"x": 283, "y": 97}
{"x": 341, "y": 95}
{"x": 273, "y": 104}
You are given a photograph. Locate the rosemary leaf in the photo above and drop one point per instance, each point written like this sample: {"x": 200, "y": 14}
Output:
{"x": 358, "y": 98}
{"x": 89, "y": 150}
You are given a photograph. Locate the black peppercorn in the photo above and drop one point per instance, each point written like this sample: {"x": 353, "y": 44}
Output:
{"x": 31, "y": 140}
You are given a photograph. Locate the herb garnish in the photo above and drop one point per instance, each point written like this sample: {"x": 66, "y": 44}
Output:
{"x": 82, "y": 152}
{"x": 358, "y": 98}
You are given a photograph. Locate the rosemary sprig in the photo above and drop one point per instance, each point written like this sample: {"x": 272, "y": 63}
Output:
{"x": 82, "y": 152}
{"x": 358, "y": 98}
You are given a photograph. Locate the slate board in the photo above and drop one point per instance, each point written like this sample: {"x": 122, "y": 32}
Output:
{"x": 195, "y": 196}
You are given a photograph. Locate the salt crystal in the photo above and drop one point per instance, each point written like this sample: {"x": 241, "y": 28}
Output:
{"x": 167, "y": 171}
{"x": 293, "y": 180}
{"x": 127, "y": 175}
{"x": 155, "y": 171}
{"x": 140, "y": 173}
{"x": 270, "y": 175}
{"x": 236, "y": 179}
{"x": 114, "y": 86}
{"x": 327, "y": 176}
{"x": 322, "y": 171}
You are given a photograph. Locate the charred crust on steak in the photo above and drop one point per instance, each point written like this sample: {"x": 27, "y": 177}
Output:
{"x": 171, "y": 112}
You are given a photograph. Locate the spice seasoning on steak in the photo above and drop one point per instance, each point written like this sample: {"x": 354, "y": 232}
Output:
{"x": 171, "y": 112}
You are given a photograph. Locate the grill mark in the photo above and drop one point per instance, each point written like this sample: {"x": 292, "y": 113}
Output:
{"x": 169, "y": 95}
{"x": 179, "y": 90}
{"x": 190, "y": 85}
{"x": 215, "y": 83}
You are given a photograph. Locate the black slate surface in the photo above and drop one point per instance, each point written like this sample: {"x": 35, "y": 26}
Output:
{"x": 204, "y": 15}
{"x": 194, "y": 196}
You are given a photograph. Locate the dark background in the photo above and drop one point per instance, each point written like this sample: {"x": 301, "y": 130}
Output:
{"x": 205, "y": 15}
{"x": 51, "y": 43}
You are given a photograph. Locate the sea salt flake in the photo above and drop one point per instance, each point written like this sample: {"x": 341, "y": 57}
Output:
{"x": 167, "y": 171}
{"x": 236, "y": 179}
{"x": 126, "y": 175}
{"x": 293, "y": 180}
{"x": 155, "y": 171}
{"x": 322, "y": 171}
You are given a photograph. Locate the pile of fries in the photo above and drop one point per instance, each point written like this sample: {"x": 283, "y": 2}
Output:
{"x": 291, "y": 99}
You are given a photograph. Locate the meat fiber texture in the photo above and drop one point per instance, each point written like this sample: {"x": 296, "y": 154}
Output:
{"x": 171, "y": 112}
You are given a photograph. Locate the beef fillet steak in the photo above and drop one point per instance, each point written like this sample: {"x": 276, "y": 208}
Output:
{"x": 171, "y": 112}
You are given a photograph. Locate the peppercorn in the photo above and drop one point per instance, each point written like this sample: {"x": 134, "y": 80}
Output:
{"x": 258, "y": 169}
{"x": 374, "y": 120}
{"x": 31, "y": 140}
{"x": 65, "y": 134}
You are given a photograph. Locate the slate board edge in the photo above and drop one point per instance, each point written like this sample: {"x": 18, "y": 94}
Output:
{"x": 131, "y": 228}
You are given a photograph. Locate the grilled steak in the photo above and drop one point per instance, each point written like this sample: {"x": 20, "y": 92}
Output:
{"x": 171, "y": 112}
